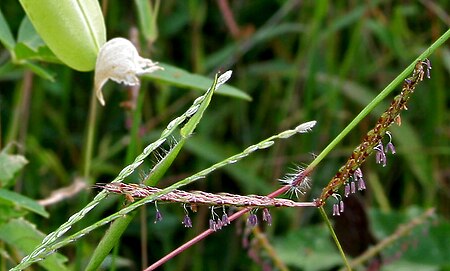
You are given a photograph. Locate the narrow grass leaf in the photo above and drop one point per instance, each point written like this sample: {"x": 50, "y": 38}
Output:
{"x": 24, "y": 236}
{"x": 179, "y": 77}
{"x": 6, "y": 37}
{"x": 147, "y": 16}
{"x": 109, "y": 240}
{"x": 22, "y": 202}
{"x": 195, "y": 119}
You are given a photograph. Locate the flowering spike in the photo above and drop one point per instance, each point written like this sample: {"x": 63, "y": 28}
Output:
{"x": 341, "y": 206}
{"x": 198, "y": 197}
{"x": 373, "y": 137}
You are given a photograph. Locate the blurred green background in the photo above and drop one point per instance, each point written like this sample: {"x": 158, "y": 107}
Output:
{"x": 299, "y": 61}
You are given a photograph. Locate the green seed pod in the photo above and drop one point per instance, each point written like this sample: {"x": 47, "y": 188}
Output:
{"x": 73, "y": 29}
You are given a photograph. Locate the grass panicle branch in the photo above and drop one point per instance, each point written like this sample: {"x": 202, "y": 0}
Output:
{"x": 373, "y": 137}
{"x": 132, "y": 191}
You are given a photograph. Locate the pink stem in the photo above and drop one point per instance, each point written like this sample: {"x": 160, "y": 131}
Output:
{"x": 203, "y": 235}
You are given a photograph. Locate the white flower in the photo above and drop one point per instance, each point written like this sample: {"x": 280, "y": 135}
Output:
{"x": 119, "y": 61}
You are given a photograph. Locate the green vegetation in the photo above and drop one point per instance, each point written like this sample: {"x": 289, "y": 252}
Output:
{"x": 292, "y": 62}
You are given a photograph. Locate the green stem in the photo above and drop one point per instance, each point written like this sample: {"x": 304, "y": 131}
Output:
{"x": 90, "y": 136}
{"x": 134, "y": 131}
{"x": 112, "y": 236}
{"x": 333, "y": 234}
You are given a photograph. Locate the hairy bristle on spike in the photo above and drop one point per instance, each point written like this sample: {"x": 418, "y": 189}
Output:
{"x": 297, "y": 182}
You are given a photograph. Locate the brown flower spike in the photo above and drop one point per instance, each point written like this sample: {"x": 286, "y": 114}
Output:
{"x": 373, "y": 138}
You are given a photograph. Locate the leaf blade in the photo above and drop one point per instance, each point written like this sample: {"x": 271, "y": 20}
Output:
{"x": 23, "y": 202}
{"x": 182, "y": 78}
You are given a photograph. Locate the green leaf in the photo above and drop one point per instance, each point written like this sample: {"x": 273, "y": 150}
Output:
{"x": 39, "y": 70}
{"x": 74, "y": 30}
{"x": 31, "y": 46}
{"x": 147, "y": 18}
{"x": 6, "y": 37}
{"x": 308, "y": 249}
{"x": 9, "y": 165}
{"x": 24, "y": 236}
{"x": 424, "y": 248}
{"x": 8, "y": 212}
{"x": 24, "y": 52}
{"x": 109, "y": 240}
{"x": 190, "y": 126}
{"x": 178, "y": 77}
{"x": 9, "y": 71}
{"x": 414, "y": 152}
{"x": 28, "y": 35}
{"x": 22, "y": 202}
